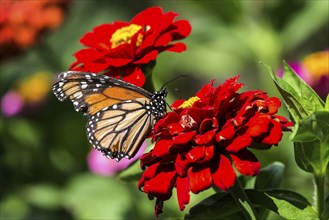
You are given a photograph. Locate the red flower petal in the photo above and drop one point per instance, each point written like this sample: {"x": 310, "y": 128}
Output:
{"x": 182, "y": 165}
{"x": 117, "y": 62}
{"x": 206, "y": 138}
{"x": 184, "y": 137}
{"x": 183, "y": 29}
{"x": 177, "y": 47}
{"x": 147, "y": 58}
{"x": 258, "y": 125}
{"x": 275, "y": 134}
{"x": 162, "y": 183}
{"x": 175, "y": 128}
{"x": 239, "y": 143}
{"x": 183, "y": 192}
{"x": 200, "y": 179}
{"x": 226, "y": 133}
{"x": 135, "y": 77}
{"x": 162, "y": 147}
{"x": 195, "y": 154}
{"x": 224, "y": 177}
{"x": 246, "y": 162}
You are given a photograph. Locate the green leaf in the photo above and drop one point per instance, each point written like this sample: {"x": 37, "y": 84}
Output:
{"x": 327, "y": 103}
{"x": 218, "y": 206}
{"x": 288, "y": 204}
{"x": 270, "y": 176}
{"x": 311, "y": 137}
{"x": 300, "y": 98}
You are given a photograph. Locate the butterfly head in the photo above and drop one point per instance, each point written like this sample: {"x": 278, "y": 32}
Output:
{"x": 158, "y": 103}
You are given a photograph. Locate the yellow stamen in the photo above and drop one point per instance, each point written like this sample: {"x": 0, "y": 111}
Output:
{"x": 317, "y": 64}
{"x": 189, "y": 103}
{"x": 124, "y": 35}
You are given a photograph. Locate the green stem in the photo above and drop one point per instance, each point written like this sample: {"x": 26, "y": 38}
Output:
{"x": 242, "y": 200}
{"x": 320, "y": 191}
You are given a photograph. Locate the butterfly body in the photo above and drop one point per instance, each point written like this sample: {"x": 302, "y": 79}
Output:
{"x": 121, "y": 114}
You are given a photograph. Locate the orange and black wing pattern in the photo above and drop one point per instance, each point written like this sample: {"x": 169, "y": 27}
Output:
{"x": 120, "y": 115}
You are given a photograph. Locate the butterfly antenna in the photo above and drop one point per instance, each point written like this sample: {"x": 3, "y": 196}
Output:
{"x": 173, "y": 79}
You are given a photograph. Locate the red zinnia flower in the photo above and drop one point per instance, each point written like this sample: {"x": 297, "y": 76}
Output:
{"x": 121, "y": 49}
{"x": 22, "y": 22}
{"x": 199, "y": 141}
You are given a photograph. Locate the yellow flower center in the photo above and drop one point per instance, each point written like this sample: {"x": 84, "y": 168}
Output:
{"x": 317, "y": 64}
{"x": 189, "y": 103}
{"x": 124, "y": 35}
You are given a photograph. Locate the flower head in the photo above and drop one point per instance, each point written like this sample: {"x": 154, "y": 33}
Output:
{"x": 123, "y": 49}
{"x": 21, "y": 22}
{"x": 314, "y": 70}
{"x": 198, "y": 143}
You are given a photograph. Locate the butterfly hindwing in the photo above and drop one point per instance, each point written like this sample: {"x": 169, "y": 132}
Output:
{"x": 117, "y": 140}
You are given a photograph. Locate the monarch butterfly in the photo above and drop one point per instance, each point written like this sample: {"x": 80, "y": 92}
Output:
{"x": 121, "y": 114}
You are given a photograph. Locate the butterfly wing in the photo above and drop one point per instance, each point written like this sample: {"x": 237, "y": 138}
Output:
{"x": 119, "y": 118}
{"x": 119, "y": 130}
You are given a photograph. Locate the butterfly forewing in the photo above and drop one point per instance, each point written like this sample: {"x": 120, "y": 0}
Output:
{"x": 120, "y": 114}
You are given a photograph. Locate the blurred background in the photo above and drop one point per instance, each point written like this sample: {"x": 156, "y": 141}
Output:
{"x": 48, "y": 170}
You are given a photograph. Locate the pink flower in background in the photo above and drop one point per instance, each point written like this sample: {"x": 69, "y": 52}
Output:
{"x": 101, "y": 165}
{"x": 11, "y": 104}
{"x": 314, "y": 70}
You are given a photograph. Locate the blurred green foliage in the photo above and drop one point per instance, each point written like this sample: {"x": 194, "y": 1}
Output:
{"x": 44, "y": 173}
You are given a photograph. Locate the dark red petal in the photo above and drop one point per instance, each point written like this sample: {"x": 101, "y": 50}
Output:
{"x": 224, "y": 177}
{"x": 151, "y": 171}
{"x": 273, "y": 105}
{"x": 196, "y": 153}
{"x": 259, "y": 124}
{"x": 163, "y": 40}
{"x": 181, "y": 165}
{"x": 162, "y": 183}
{"x": 275, "y": 134}
{"x": 206, "y": 138}
{"x": 183, "y": 29}
{"x": 88, "y": 54}
{"x": 147, "y": 160}
{"x": 200, "y": 179}
{"x": 226, "y": 133}
{"x": 175, "y": 128}
{"x": 147, "y": 57}
{"x": 177, "y": 47}
{"x": 183, "y": 138}
{"x": 161, "y": 148}
{"x": 153, "y": 12}
{"x": 206, "y": 90}
{"x": 183, "y": 192}
{"x": 117, "y": 62}
{"x": 95, "y": 67}
{"x": 136, "y": 77}
{"x": 239, "y": 143}
{"x": 208, "y": 154}
{"x": 246, "y": 162}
